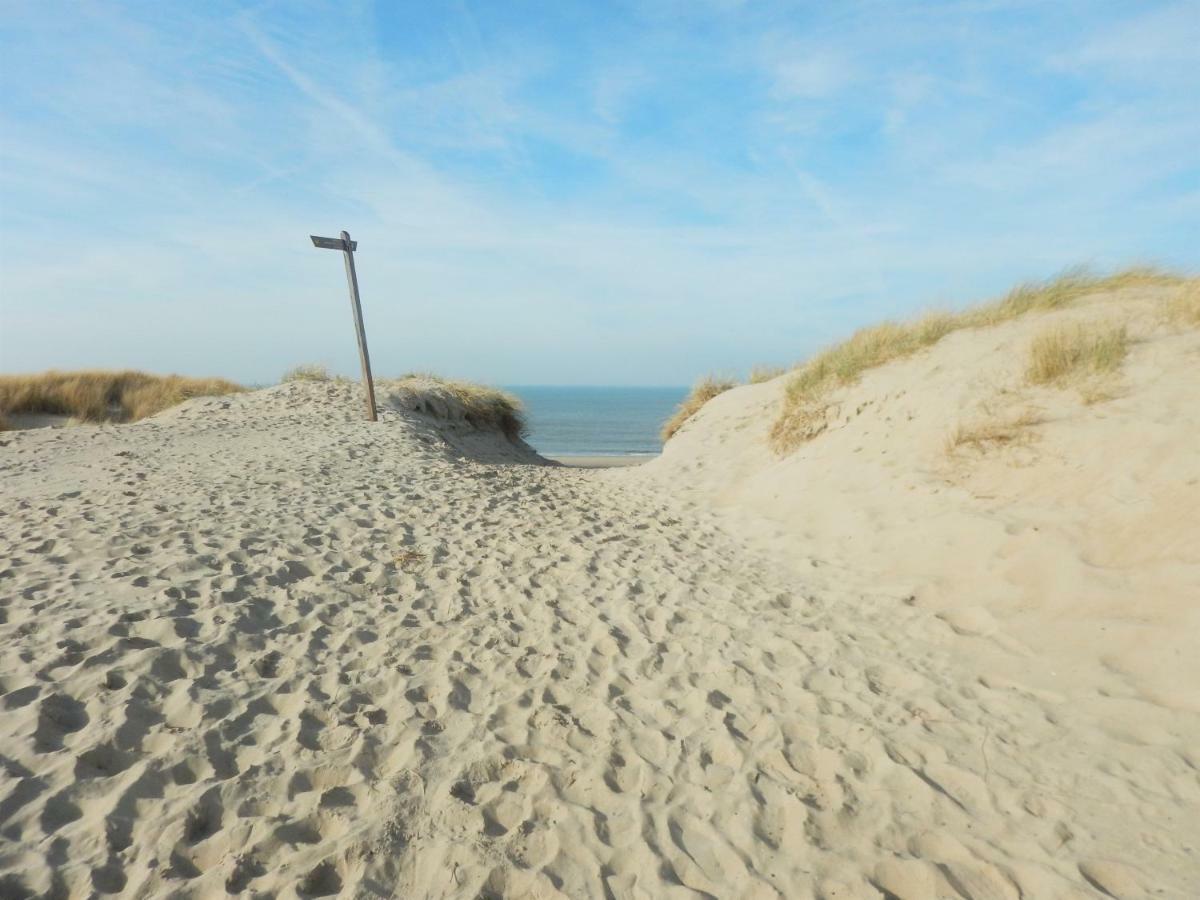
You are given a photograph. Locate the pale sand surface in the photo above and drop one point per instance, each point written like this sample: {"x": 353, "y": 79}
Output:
{"x": 1080, "y": 539}
{"x": 256, "y": 645}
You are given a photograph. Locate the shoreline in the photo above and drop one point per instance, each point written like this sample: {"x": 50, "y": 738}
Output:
{"x": 600, "y": 461}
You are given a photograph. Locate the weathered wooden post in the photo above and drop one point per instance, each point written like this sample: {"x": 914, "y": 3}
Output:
{"x": 348, "y": 247}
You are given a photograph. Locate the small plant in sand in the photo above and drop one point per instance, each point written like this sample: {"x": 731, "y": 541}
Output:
{"x": 410, "y": 560}
{"x": 1074, "y": 352}
{"x": 1094, "y": 392}
{"x": 759, "y": 374}
{"x": 103, "y": 396}
{"x": 994, "y": 432}
{"x": 306, "y": 372}
{"x": 704, "y": 390}
{"x": 1185, "y": 308}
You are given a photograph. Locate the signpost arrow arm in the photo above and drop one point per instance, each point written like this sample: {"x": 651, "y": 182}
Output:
{"x": 347, "y": 247}
{"x": 332, "y": 243}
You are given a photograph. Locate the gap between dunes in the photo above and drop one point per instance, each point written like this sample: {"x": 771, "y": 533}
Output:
{"x": 254, "y": 644}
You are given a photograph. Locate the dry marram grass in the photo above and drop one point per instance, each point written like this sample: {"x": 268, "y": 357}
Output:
{"x": 993, "y": 432}
{"x": 703, "y": 391}
{"x": 483, "y": 406}
{"x": 1065, "y": 290}
{"x": 709, "y": 387}
{"x": 1185, "y": 308}
{"x": 1097, "y": 392}
{"x": 102, "y": 396}
{"x": 1070, "y": 352}
{"x": 803, "y": 408}
{"x": 307, "y": 372}
{"x": 759, "y": 374}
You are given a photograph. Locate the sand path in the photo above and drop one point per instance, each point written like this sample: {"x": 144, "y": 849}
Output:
{"x": 268, "y": 652}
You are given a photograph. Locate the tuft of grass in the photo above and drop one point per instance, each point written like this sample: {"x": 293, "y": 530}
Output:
{"x": 993, "y": 433}
{"x": 1093, "y": 393}
{"x": 482, "y": 406}
{"x": 703, "y": 391}
{"x": 759, "y": 374}
{"x": 1065, "y": 290}
{"x": 103, "y": 396}
{"x": 1070, "y": 352}
{"x": 803, "y": 413}
{"x": 306, "y": 372}
{"x": 1184, "y": 309}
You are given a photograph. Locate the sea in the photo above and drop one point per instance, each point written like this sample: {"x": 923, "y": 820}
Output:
{"x": 597, "y": 421}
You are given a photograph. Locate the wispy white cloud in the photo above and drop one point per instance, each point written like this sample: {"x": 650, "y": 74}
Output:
{"x": 1156, "y": 42}
{"x": 809, "y": 74}
{"x": 688, "y": 187}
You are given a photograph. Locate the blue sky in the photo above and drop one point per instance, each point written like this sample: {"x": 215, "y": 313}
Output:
{"x": 591, "y": 193}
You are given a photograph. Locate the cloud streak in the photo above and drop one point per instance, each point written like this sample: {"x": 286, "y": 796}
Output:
{"x": 574, "y": 197}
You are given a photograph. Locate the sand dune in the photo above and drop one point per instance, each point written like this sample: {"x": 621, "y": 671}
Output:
{"x": 256, "y": 645}
{"x": 1072, "y": 520}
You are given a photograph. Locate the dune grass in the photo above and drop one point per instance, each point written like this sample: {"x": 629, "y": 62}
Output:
{"x": 483, "y": 406}
{"x": 803, "y": 411}
{"x": 306, "y": 372}
{"x": 94, "y": 396}
{"x": 1185, "y": 308}
{"x": 1069, "y": 352}
{"x": 1065, "y": 290}
{"x": 993, "y": 432}
{"x": 703, "y": 391}
{"x": 759, "y": 374}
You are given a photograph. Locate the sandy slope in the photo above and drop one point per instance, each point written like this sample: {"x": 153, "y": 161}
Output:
{"x": 251, "y": 645}
{"x": 1082, "y": 537}
{"x": 1068, "y": 558}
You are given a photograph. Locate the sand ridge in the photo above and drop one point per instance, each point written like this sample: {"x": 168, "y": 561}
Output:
{"x": 1075, "y": 532}
{"x": 255, "y": 646}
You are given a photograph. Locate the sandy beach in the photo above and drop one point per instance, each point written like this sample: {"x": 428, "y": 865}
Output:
{"x": 255, "y": 644}
{"x": 587, "y": 451}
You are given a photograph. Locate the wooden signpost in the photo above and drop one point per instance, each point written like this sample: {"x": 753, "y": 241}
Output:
{"x": 348, "y": 247}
